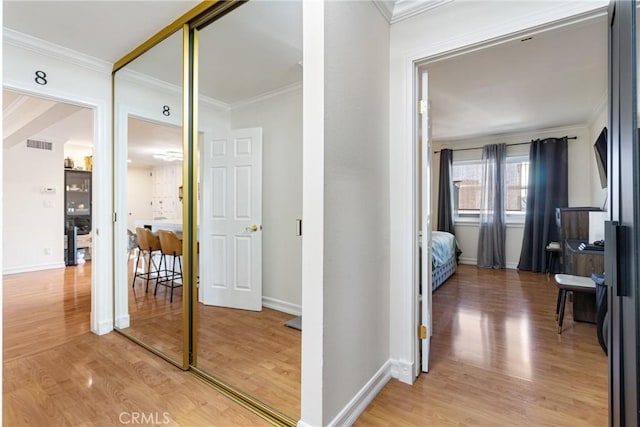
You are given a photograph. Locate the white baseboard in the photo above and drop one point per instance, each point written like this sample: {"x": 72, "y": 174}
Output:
{"x": 123, "y": 322}
{"x": 285, "y": 307}
{"x": 402, "y": 371}
{"x": 30, "y": 268}
{"x": 474, "y": 261}
{"x": 512, "y": 265}
{"x": 303, "y": 424}
{"x": 363, "y": 398}
{"x": 468, "y": 261}
{"x": 104, "y": 327}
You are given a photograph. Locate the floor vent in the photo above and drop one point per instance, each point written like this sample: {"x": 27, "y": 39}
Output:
{"x": 41, "y": 145}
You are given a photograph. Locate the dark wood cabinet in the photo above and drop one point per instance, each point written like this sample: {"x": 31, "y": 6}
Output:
{"x": 573, "y": 224}
{"x": 583, "y": 263}
{"x": 77, "y": 200}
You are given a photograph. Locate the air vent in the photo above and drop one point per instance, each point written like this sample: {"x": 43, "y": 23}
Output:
{"x": 40, "y": 145}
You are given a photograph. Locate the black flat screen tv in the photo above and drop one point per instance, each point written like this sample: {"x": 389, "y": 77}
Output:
{"x": 601, "y": 156}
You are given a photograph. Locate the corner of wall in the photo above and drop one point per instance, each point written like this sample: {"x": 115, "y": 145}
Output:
{"x": 402, "y": 371}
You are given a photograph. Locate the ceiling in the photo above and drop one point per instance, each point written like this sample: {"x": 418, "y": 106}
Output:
{"x": 556, "y": 78}
{"x": 550, "y": 79}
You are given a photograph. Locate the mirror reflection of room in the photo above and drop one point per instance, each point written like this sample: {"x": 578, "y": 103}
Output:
{"x": 149, "y": 159}
{"x": 249, "y": 304}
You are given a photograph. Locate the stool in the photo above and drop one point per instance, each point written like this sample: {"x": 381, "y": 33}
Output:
{"x": 170, "y": 245}
{"x": 553, "y": 252}
{"x": 148, "y": 244}
{"x": 568, "y": 282}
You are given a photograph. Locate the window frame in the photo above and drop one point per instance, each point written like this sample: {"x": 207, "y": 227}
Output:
{"x": 470, "y": 216}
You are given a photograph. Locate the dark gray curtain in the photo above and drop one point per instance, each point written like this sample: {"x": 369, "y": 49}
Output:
{"x": 547, "y": 190}
{"x": 445, "y": 199}
{"x": 491, "y": 252}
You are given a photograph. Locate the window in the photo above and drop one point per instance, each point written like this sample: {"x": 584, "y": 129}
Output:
{"x": 466, "y": 176}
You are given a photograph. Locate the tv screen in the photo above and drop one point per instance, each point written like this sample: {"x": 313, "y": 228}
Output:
{"x": 601, "y": 156}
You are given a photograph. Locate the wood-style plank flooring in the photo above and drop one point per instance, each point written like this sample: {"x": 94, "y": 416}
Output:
{"x": 245, "y": 349}
{"x": 497, "y": 360}
{"x": 57, "y": 373}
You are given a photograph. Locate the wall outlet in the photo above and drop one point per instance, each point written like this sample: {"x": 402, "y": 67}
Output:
{"x": 47, "y": 251}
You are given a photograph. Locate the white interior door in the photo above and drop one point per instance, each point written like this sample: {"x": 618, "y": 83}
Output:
{"x": 426, "y": 222}
{"x": 230, "y": 225}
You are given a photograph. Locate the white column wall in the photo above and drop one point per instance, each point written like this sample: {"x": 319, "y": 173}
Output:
{"x": 356, "y": 216}
{"x": 76, "y": 79}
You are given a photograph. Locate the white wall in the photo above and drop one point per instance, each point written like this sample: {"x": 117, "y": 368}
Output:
{"x": 356, "y": 200}
{"x": 33, "y": 236}
{"x": 75, "y": 78}
{"x": 280, "y": 117}
{"x": 598, "y": 194}
{"x": 444, "y": 29}
{"x": 77, "y": 153}
{"x": 580, "y": 171}
{"x": 139, "y": 190}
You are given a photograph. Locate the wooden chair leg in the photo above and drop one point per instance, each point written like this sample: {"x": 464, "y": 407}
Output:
{"x": 562, "y": 304}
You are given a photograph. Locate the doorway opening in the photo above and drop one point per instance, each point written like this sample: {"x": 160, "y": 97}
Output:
{"x": 466, "y": 115}
{"x": 47, "y": 221}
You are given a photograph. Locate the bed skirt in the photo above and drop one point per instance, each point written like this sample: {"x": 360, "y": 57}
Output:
{"x": 442, "y": 273}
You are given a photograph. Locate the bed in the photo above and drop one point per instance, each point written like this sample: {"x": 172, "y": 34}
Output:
{"x": 444, "y": 262}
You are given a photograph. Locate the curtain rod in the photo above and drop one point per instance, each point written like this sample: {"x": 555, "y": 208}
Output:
{"x": 508, "y": 145}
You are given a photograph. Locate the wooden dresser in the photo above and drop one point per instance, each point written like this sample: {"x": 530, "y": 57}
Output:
{"x": 573, "y": 225}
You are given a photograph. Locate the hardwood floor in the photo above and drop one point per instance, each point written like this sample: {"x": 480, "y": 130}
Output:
{"x": 56, "y": 372}
{"x": 245, "y": 349}
{"x": 44, "y": 309}
{"x": 497, "y": 360}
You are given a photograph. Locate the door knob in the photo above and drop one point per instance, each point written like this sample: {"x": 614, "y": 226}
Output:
{"x": 253, "y": 228}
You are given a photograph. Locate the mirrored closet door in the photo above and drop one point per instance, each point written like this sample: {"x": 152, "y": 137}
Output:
{"x": 208, "y": 151}
{"x": 148, "y": 154}
{"x": 250, "y": 177}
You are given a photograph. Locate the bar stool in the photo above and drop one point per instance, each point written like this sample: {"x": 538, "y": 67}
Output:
{"x": 170, "y": 245}
{"x": 148, "y": 244}
{"x": 568, "y": 282}
{"x": 553, "y": 252}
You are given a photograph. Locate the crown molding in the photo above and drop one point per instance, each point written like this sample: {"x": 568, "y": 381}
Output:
{"x": 212, "y": 102}
{"x": 157, "y": 84}
{"x": 264, "y": 96}
{"x": 404, "y": 9}
{"x": 137, "y": 77}
{"x": 52, "y": 50}
{"x": 399, "y": 10}
{"x": 386, "y": 8}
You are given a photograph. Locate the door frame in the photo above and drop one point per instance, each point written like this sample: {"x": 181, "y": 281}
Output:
{"x": 408, "y": 270}
{"x": 101, "y": 316}
{"x": 622, "y": 231}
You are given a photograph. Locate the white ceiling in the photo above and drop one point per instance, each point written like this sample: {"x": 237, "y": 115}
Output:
{"x": 107, "y": 30}
{"x": 263, "y": 55}
{"x": 557, "y": 78}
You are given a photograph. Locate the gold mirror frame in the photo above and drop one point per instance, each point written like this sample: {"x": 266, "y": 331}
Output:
{"x": 195, "y": 19}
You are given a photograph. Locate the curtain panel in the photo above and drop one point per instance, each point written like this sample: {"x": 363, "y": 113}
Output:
{"x": 547, "y": 190}
{"x": 491, "y": 241}
{"x": 445, "y": 199}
